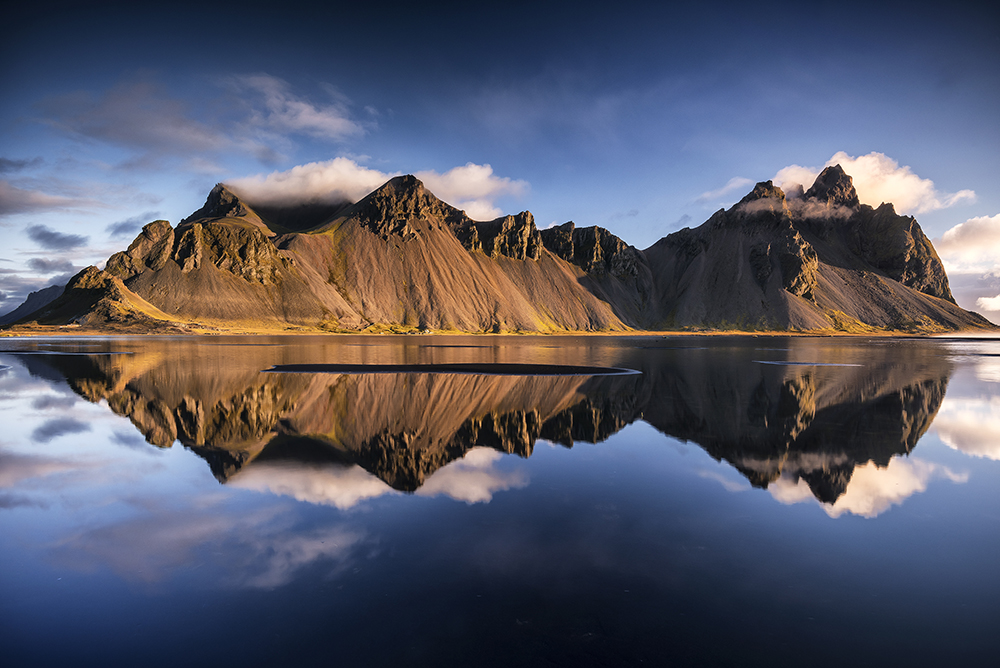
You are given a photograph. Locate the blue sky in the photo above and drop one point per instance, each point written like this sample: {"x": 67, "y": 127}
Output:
{"x": 639, "y": 118}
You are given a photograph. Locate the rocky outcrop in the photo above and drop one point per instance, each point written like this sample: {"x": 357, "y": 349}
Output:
{"x": 151, "y": 250}
{"x": 593, "y": 249}
{"x": 243, "y": 251}
{"x": 239, "y": 249}
{"x": 833, "y": 187}
{"x": 897, "y": 246}
{"x": 398, "y": 208}
{"x": 510, "y": 236}
{"x": 221, "y": 203}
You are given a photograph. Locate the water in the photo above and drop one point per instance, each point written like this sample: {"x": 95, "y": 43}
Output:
{"x": 741, "y": 501}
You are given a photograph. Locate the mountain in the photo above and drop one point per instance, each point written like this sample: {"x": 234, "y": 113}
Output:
{"x": 399, "y": 257}
{"x": 820, "y": 261}
{"x": 95, "y": 298}
{"x": 33, "y": 302}
{"x": 402, "y": 260}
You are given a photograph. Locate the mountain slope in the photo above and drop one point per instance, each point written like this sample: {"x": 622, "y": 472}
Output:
{"x": 95, "y": 298}
{"x": 34, "y": 301}
{"x": 820, "y": 261}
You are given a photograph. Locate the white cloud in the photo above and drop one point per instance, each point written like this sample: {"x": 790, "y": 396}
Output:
{"x": 339, "y": 486}
{"x": 872, "y": 490}
{"x": 735, "y": 183}
{"x": 330, "y": 181}
{"x": 877, "y": 179}
{"x": 971, "y": 425}
{"x": 972, "y": 246}
{"x": 472, "y": 479}
{"x": 989, "y": 303}
{"x": 471, "y": 187}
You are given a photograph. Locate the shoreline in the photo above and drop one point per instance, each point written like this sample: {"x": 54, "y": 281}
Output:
{"x": 74, "y": 332}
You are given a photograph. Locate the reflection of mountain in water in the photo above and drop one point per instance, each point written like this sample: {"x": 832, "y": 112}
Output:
{"x": 787, "y": 418}
{"x": 813, "y": 423}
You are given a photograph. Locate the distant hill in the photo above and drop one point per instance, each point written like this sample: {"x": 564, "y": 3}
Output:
{"x": 32, "y": 303}
{"x": 402, "y": 260}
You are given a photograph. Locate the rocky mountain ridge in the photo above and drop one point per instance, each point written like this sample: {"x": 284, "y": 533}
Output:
{"x": 403, "y": 260}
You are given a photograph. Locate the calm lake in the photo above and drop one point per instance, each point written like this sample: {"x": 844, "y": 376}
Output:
{"x": 499, "y": 501}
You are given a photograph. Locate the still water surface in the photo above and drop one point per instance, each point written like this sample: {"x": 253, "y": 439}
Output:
{"x": 740, "y": 501}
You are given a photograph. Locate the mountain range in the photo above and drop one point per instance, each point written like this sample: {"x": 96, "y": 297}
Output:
{"x": 400, "y": 259}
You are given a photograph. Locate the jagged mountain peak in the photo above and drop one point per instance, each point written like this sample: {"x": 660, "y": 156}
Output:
{"x": 834, "y": 186}
{"x": 764, "y": 190}
{"x": 221, "y": 202}
{"x": 397, "y": 207}
{"x": 404, "y": 194}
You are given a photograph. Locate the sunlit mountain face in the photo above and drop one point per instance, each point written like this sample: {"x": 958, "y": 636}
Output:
{"x": 700, "y": 473}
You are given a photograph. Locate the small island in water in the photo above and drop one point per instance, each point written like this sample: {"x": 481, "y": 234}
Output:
{"x": 401, "y": 260}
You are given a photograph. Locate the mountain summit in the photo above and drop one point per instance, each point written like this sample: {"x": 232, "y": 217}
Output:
{"x": 401, "y": 259}
{"x": 816, "y": 262}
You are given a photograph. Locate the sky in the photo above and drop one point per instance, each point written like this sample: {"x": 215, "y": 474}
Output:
{"x": 641, "y": 118}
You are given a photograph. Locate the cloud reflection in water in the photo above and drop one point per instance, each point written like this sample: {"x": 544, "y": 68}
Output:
{"x": 473, "y": 479}
{"x": 872, "y": 489}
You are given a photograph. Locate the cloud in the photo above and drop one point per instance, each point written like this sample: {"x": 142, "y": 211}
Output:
{"x": 44, "y": 266}
{"x": 14, "y": 200}
{"x": 284, "y": 111}
{"x": 472, "y": 479}
{"x": 134, "y": 114}
{"x": 814, "y": 209}
{"x": 16, "y": 468}
{"x": 989, "y": 303}
{"x": 471, "y": 187}
{"x": 735, "y": 183}
{"x": 872, "y": 489}
{"x": 14, "y": 289}
{"x": 8, "y": 501}
{"x": 8, "y": 165}
{"x": 131, "y": 226}
{"x": 57, "y": 427}
{"x": 340, "y": 486}
{"x": 970, "y": 425}
{"x": 877, "y": 179}
{"x": 332, "y": 181}
{"x": 248, "y": 549}
{"x": 972, "y": 246}
{"x": 60, "y": 401}
{"x": 52, "y": 240}
{"x": 727, "y": 483}
{"x": 255, "y": 119}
